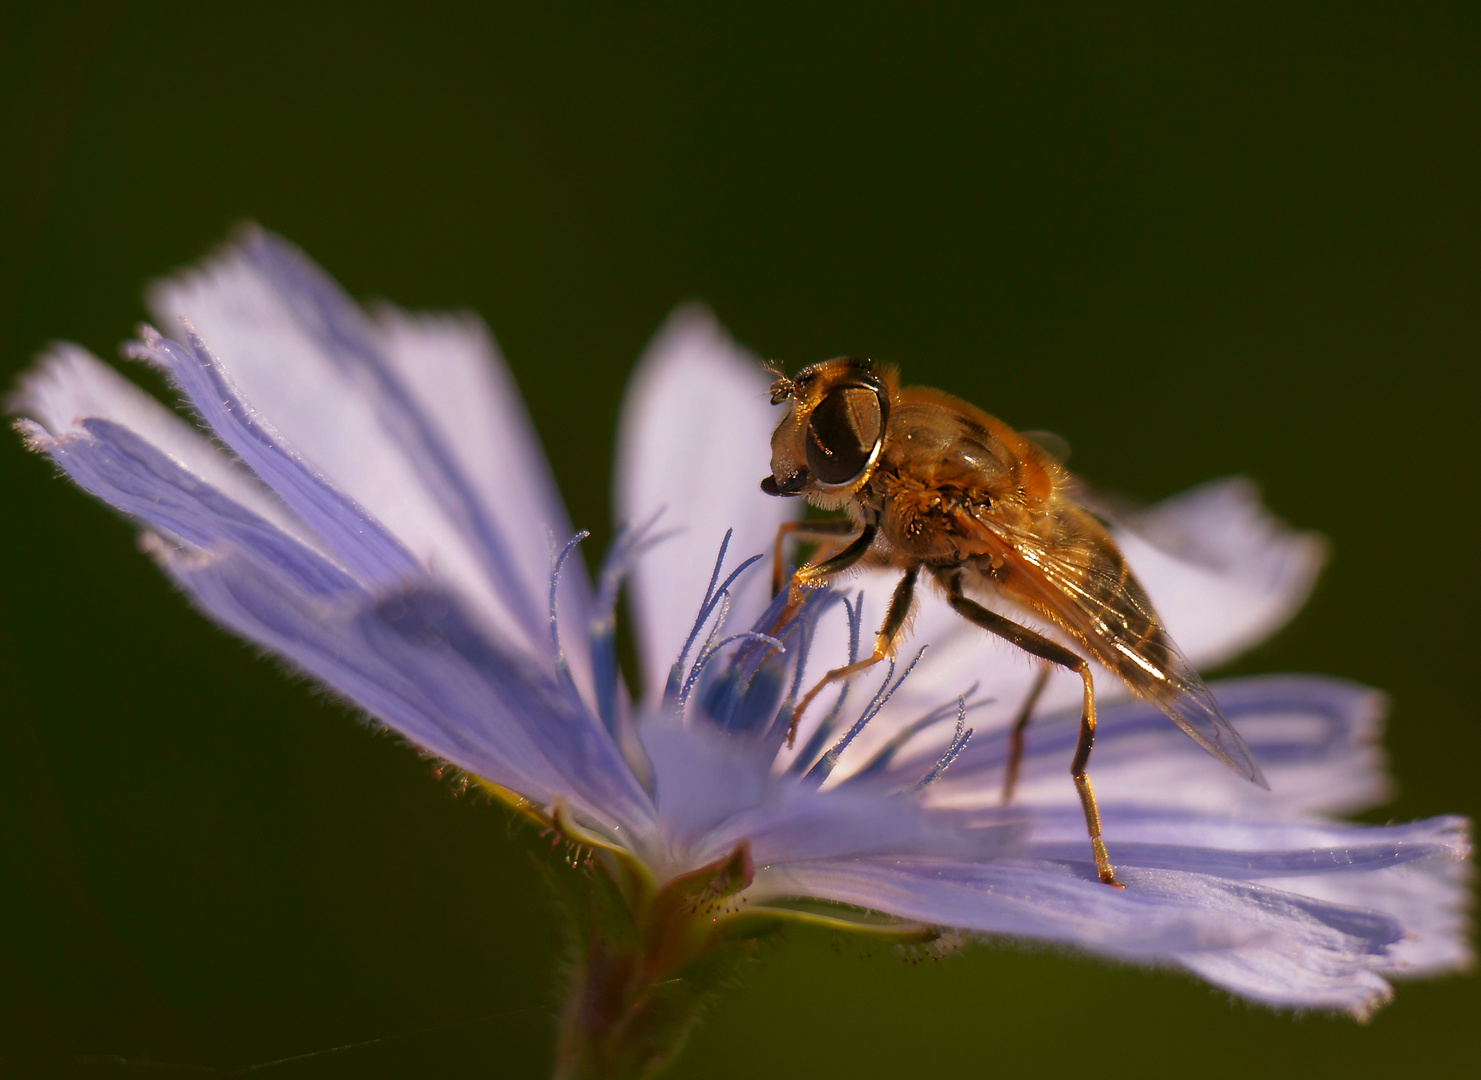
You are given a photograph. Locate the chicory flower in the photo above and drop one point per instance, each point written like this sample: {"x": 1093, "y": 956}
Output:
{"x": 362, "y": 495}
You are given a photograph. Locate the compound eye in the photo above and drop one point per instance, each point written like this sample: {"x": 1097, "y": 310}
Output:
{"x": 842, "y": 434}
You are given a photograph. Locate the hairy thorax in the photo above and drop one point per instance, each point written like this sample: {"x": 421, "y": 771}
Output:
{"x": 943, "y": 474}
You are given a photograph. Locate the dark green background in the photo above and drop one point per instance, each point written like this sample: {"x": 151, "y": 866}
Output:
{"x": 1193, "y": 242}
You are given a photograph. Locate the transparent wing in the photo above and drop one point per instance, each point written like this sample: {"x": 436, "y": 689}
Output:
{"x": 1075, "y": 576}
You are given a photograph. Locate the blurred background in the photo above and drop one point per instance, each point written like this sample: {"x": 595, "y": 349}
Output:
{"x": 1193, "y": 242}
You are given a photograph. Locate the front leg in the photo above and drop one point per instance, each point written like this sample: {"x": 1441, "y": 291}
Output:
{"x": 885, "y": 641}
{"x": 812, "y": 530}
{"x": 815, "y": 575}
{"x": 1036, "y": 644}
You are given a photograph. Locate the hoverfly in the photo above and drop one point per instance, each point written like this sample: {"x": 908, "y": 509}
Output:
{"x": 934, "y": 486}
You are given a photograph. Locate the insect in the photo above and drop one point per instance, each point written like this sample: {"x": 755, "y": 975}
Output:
{"x": 934, "y": 486}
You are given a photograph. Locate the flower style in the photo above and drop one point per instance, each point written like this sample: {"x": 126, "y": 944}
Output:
{"x": 382, "y": 520}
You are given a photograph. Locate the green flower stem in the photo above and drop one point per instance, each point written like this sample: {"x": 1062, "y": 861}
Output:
{"x": 645, "y": 961}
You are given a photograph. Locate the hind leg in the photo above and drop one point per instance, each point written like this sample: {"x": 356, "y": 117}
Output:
{"x": 1015, "y": 737}
{"x": 1054, "y": 653}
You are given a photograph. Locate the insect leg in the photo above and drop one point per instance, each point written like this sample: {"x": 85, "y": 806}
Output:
{"x": 1015, "y": 739}
{"x": 816, "y": 574}
{"x": 815, "y": 530}
{"x": 884, "y": 644}
{"x": 1044, "y": 649}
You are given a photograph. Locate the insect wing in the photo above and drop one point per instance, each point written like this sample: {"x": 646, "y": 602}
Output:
{"x": 1194, "y": 709}
{"x": 1083, "y": 584}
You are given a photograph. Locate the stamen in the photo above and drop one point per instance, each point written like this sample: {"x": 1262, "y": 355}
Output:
{"x": 783, "y": 719}
{"x": 562, "y": 668}
{"x": 704, "y": 605}
{"x": 711, "y": 651}
{"x": 886, "y": 691}
{"x": 815, "y": 741}
{"x": 881, "y": 760}
{"x": 629, "y": 545}
{"x": 742, "y": 702}
{"x": 804, "y": 646}
{"x": 730, "y": 580}
{"x": 958, "y": 741}
{"x": 748, "y": 659}
{"x": 713, "y": 596}
{"x": 752, "y": 659}
{"x": 721, "y": 614}
{"x": 855, "y": 625}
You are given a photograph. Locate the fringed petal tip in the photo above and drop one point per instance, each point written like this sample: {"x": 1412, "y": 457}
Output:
{"x": 35, "y": 437}
{"x": 68, "y": 384}
{"x": 49, "y": 396}
{"x": 1436, "y": 899}
{"x": 397, "y": 413}
{"x": 1333, "y": 941}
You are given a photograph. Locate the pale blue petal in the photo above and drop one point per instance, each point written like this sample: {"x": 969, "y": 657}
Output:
{"x": 701, "y": 778}
{"x": 1040, "y": 901}
{"x": 1244, "y": 848}
{"x": 416, "y": 662}
{"x": 1304, "y": 914}
{"x": 713, "y": 791}
{"x": 798, "y": 825}
{"x": 357, "y": 539}
{"x": 1314, "y": 736}
{"x": 1431, "y": 897}
{"x": 69, "y": 385}
{"x": 134, "y": 477}
{"x": 1259, "y": 942}
{"x": 414, "y": 419}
